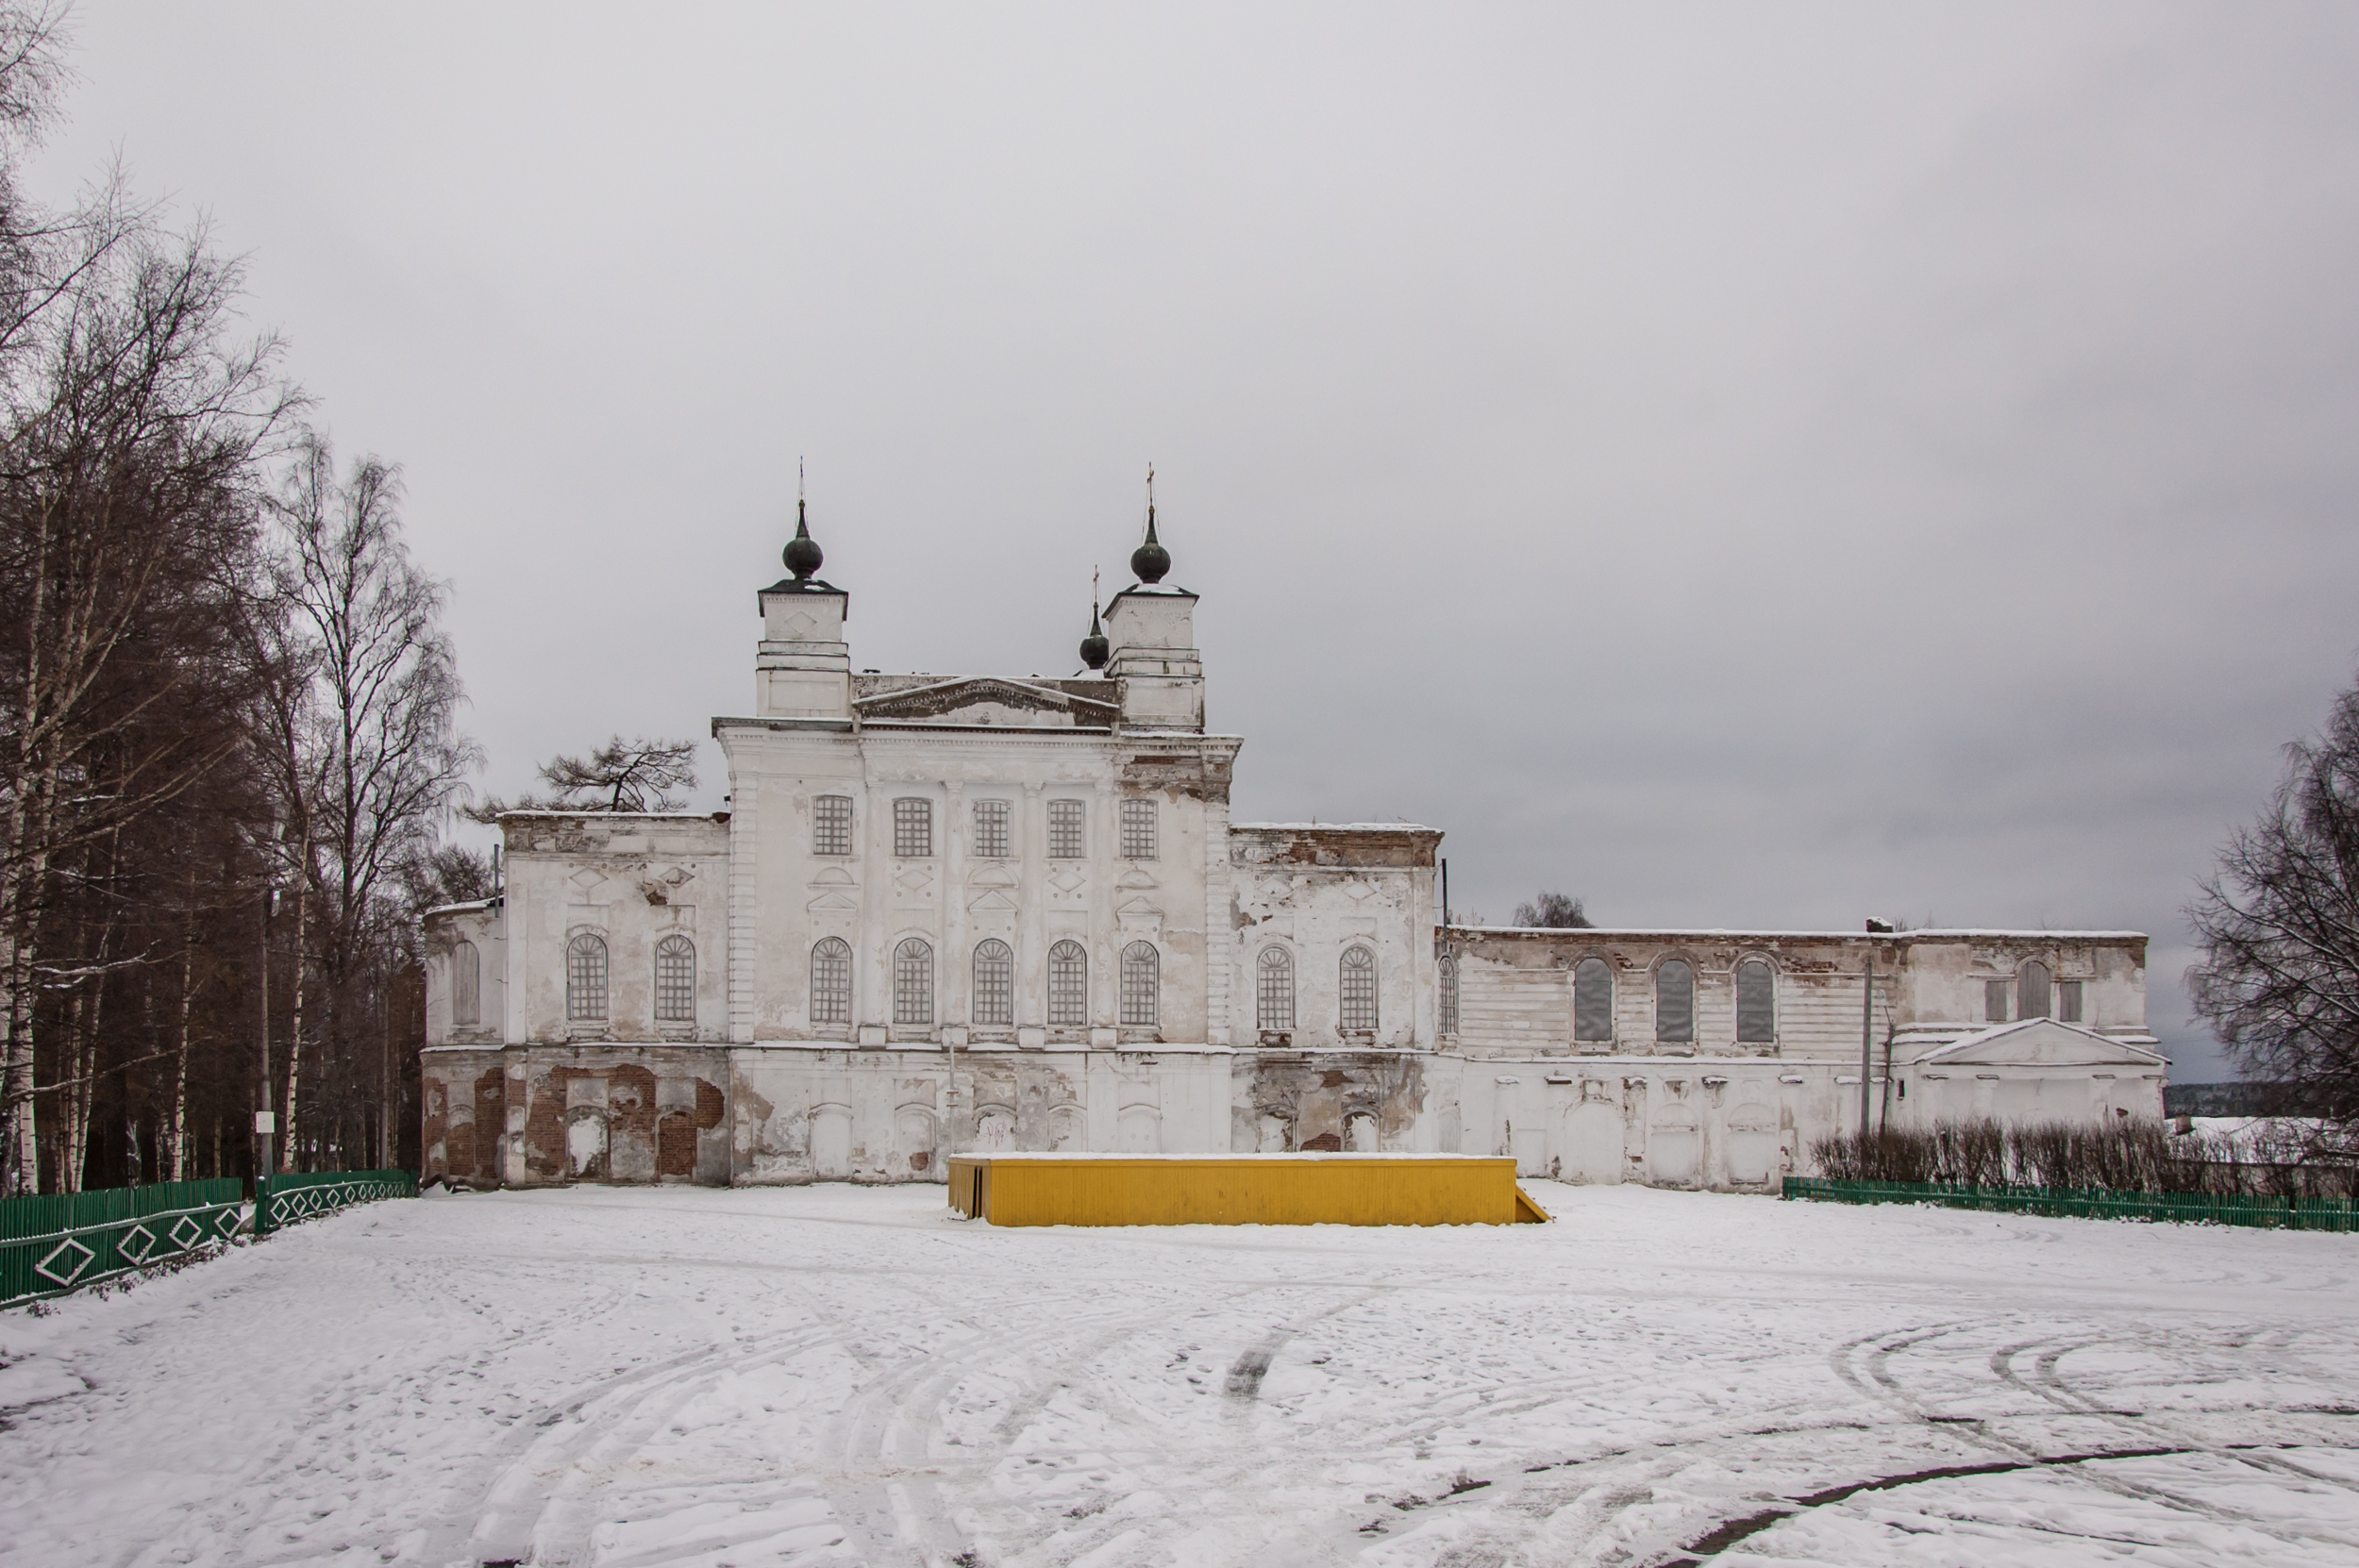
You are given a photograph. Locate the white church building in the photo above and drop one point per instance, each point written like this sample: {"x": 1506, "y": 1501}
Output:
{"x": 975, "y": 913}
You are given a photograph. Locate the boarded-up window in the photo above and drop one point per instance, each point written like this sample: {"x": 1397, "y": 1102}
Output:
{"x": 1756, "y": 1003}
{"x": 1447, "y": 1023}
{"x": 1274, "y": 991}
{"x": 1355, "y": 991}
{"x": 585, "y": 979}
{"x": 466, "y": 986}
{"x": 676, "y": 980}
{"x": 912, "y": 828}
{"x": 2069, "y": 1001}
{"x": 1138, "y": 829}
{"x": 1995, "y": 1001}
{"x": 994, "y": 983}
{"x": 1675, "y": 1002}
{"x": 1064, "y": 829}
{"x": 1593, "y": 1000}
{"x": 1068, "y": 986}
{"x": 832, "y": 981}
{"x": 1142, "y": 986}
{"x": 991, "y": 829}
{"x": 831, "y": 825}
{"x": 913, "y": 983}
{"x": 2030, "y": 990}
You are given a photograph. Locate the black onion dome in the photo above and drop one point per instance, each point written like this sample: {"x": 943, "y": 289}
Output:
{"x": 1095, "y": 650}
{"x": 1150, "y": 560}
{"x": 803, "y": 556}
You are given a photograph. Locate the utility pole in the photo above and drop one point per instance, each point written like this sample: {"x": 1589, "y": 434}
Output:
{"x": 1866, "y": 1040}
{"x": 264, "y": 1122}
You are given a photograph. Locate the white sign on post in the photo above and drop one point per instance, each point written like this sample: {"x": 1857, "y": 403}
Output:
{"x": 265, "y": 1121}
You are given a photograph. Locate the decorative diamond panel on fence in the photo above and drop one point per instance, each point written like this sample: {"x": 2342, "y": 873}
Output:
{"x": 50, "y": 1246}
{"x": 283, "y": 1200}
{"x": 2094, "y": 1204}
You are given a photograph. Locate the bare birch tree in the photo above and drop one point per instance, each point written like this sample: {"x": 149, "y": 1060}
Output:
{"x": 2279, "y": 925}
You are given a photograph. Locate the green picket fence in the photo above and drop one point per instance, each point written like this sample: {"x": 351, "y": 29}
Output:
{"x": 283, "y": 1200}
{"x": 65, "y": 1240}
{"x": 2093, "y": 1203}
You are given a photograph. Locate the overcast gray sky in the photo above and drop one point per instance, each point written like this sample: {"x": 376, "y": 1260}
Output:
{"x": 1743, "y": 465}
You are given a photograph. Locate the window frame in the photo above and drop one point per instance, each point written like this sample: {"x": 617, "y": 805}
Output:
{"x": 1445, "y": 995}
{"x": 581, "y": 949}
{"x": 2034, "y": 1001}
{"x": 996, "y": 985}
{"x": 1274, "y": 991}
{"x": 990, "y": 824}
{"x": 674, "y": 988}
{"x": 1139, "y": 827}
{"x": 1688, "y": 967}
{"x": 829, "y": 826}
{"x": 1068, "y": 823}
{"x": 1141, "y": 984}
{"x": 913, "y": 983}
{"x": 832, "y": 965}
{"x": 912, "y": 824}
{"x": 1356, "y": 990}
{"x": 1769, "y": 979}
{"x": 466, "y": 985}
{"x": 1605, "y": 972}
{"x": 1069, "y": 985}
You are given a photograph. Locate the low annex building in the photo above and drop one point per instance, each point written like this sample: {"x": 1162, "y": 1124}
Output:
{"x": 981, "y": 913}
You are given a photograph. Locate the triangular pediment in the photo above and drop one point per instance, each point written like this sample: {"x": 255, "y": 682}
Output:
{"x": 985, "y": 700}
{"x": 993, "y": 902}
{"x": 2040, "y": 1043}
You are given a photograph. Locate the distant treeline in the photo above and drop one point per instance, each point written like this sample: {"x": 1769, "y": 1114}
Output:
{"x": 2123, "y": 1155}
{"x": 2231, "y": 1099}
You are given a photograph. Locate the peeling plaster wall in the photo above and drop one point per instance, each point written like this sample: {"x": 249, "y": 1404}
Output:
{"x": 1315, "y": 892}
{"x": 632, "y": 881}
{"x": 445, "y": 934}
{"x": 811, "y": 1113}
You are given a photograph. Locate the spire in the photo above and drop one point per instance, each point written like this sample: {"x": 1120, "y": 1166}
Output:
{"x": 1095, "y": 650}
{"x": 1150, "y": 560}
{"x": 803, "y": 556}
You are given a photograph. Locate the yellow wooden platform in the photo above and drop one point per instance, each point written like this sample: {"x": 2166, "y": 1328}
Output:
{"x": 1239, "y": 1189}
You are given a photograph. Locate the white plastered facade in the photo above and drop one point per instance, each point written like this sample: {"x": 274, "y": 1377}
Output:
{"x": 950, "y": 913}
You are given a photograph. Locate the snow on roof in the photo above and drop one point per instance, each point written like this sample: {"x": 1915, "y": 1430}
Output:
{"x": 1944, "y": 933}
{"x": 457, "y": 909}
{"x": 1331, "y": 827}
{"x": 616, "y": 816}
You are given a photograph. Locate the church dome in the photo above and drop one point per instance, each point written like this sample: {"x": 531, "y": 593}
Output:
{"x": 1150, "y": 560}
{"x": 1095, "y": 650}
{"x": 803, "y": 556}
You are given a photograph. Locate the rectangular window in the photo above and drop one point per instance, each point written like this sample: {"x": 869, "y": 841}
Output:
{"x": 1138, "y": 829}
{"x": 1995, "y": 1001}
{"x": 1064, "y": 829}
{"x": 831, "y": 825}
{"x": 2068, "y": 1001}
{"x": 991, "y": 829}
{"x": 913, "y": 828}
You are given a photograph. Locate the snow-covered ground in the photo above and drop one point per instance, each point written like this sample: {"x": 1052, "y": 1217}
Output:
{"x": 836, "y": 1375}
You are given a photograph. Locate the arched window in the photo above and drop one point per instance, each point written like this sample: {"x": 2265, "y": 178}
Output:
{"x": 1142, "y": 986}
{"x": 1355, "y": 991}
{"x": 1446, "y": 1022}
{"x": 994, "y": 983}
{"x": 1756, "y": 1003}
{"x": 466, "y": 987}
{"x": 676, "y": 980}
{"x": 1675, "y": 1002}
{"x": 1274, "y": 991}
{"x": 913, "y": 982}
{"x": 2030, "y": 990}
{"x": 1593, "y": 1000}
{"x": 1068, "y": 986}
{"x": 585, "y": 979}
{"x": 830, "y": 981}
